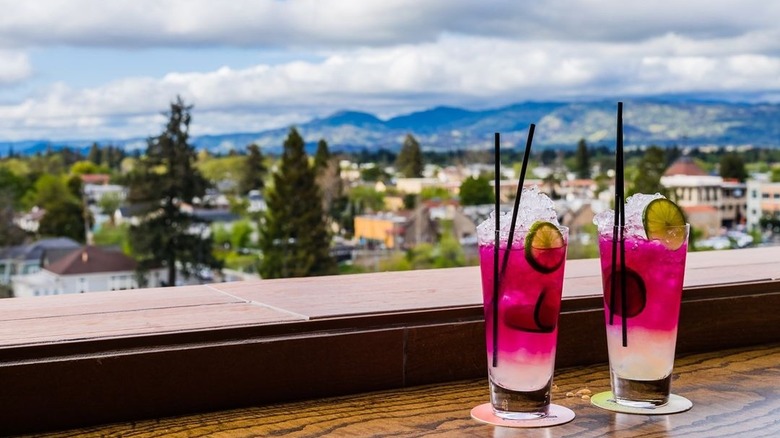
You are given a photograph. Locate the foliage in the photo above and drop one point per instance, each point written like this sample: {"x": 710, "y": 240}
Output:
{"x": 582, "y": 166}
{"x": 64, "y": 219}
{"x": 440, "y": 193}
{"x": 48, "y": 190}
{"x": 373, "y": 174}
{"x": 240, "y": 234}
{"x": 221, "y": 169}
{"x": 113, "y": 235}
{"x": 254, "y": 171}
{"x": 14, "y": 186}
{"x": 449, "y": 253}
{"x": 322, "y": 156}
{"x": 161, "y": 181}
{"x": 775, "y": 174}
{"x": 366, "y": 198}
{"x": 109, "y": 203}
{"x": 294, "y": 238}
{"x": 732, "y": 166}
{"x": 410, "y": 201}
{"x": 87, "y": 167}
{"x": 476, "y": 191}
{"x": 649, "y": 171}
{"x": 409, "y": 162}
{"x": 10, "y": 234}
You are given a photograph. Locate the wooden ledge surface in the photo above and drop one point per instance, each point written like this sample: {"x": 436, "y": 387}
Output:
{"x": 734, "y": 393}
{"x": 121, "y": 314}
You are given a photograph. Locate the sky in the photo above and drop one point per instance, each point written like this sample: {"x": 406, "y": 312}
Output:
{"x": 96, "y": 69}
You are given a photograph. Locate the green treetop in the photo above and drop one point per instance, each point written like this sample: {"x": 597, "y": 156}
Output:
{"x": 159, "y": 184}
{"x": 409, "y": 162}
{"x": 253, "y": 176}
{"x": 647, "y": 178}
{"x": 582, "y": 160}
{"x": 293, "y": 238}
{"x": 733, "y": 167}
{"x": 476, "y": 191}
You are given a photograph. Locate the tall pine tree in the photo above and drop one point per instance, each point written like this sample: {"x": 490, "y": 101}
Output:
{"x": 409, "y": 162}
{"x": 161, "y": 182}
{"x": 253, "y": 177}
{"x": 294, "y": 237}
{"x": 583, "y": 160}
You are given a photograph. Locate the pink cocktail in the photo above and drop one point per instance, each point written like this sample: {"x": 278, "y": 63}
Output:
{"x": 641, "y": 354}
{"x": 526, "y": 325}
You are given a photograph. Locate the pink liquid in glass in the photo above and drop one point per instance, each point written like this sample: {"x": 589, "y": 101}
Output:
{"x": 528, "y": 308}
{"x": 653, "y": 293}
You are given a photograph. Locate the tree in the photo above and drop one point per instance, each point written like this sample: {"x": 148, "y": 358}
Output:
{"x": 10, "y": 234}
{"x": 253, "y": 175}
{"x": 649, "y": 171}
{"x": 775, "y": 174}
{"x": 733, "y": 167}
{"x": 294, "y": 238}
{"x": 64, "y": 218}
{"x": 582, "y": 166}
{"x": 95, "y": 154}
{"x": 409, "y": 162}
{"x": 329, "y": 181}
{"x": 366, "y": 198}
{"x": 159, "y": 184}
{"x": 476, "y": 191}
{"x": 322, "y": 156}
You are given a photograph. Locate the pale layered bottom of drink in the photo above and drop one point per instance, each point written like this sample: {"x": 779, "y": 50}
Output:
{"x": 528, "y": 308}
{"x": 641, "y": 371}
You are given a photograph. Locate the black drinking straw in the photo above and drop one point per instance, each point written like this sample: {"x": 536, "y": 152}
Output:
{"x": 519, "y": 192}
{"x": 617, "y": 232}
{"x": 496, "y": 242}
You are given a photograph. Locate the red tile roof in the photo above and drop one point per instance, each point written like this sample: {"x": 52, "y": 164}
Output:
{"x": 700, "y": 209}
{"x": 685, "y": 166}
{"x": 92, "y": 260}
{"x": 95, "y": 178}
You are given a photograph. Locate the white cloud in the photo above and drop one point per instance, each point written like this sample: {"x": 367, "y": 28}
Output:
{"x": 14, "y": 67}
{"x": 385, "y": 57}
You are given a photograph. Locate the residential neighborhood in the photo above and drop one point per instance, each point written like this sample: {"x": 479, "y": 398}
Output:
{"x": 394, "y": 220}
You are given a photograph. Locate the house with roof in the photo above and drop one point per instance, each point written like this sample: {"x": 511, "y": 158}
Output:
{"x": 30, "y": 258}
{"x": 691, "y": 186}
{"x": 85, "y": 269}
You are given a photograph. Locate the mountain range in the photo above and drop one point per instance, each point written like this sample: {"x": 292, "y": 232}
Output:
{"x": 658, "y": 121}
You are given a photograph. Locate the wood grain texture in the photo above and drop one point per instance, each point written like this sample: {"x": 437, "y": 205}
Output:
{"x": 734, "y": 392}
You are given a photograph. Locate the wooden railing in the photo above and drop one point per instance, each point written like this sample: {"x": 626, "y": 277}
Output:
{"x": 115, "y": 356}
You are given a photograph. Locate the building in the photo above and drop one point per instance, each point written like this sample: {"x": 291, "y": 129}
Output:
{"x": 29, "y": 259}
{"x": 85, "y": 269}
{"x": 690, "y": 186}
{"x": 401, "y": 230}
{"x": 763, "y": 200}
{"x": 383, "y": 229}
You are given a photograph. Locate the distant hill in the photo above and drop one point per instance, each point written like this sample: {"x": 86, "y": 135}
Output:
{"x": 659, "y": 121}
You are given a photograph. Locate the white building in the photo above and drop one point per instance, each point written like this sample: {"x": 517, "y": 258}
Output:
{"x": 29, "y": 259}
{"x": 87, "y": 269}
{"x": 763, "y": 200}
{"x": 691, "y": 186}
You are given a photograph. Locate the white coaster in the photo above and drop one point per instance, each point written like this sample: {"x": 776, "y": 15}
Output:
{"x": 557, "y": 415}
{"x": 606, "y": 400}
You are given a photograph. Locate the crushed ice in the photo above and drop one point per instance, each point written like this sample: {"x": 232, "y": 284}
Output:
{"x": 534, "y": 206}
{"x": 635, "y": 206}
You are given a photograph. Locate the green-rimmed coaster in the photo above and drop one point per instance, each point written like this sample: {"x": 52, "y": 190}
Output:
{"x": 606, "y": 400}
{"x": 557, "y": 415}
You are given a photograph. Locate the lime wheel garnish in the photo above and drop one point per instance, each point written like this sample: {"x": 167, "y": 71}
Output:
{"x": 664, "y": 220}
{"x": 636, "y": 294}
{"x": 545, "y": 248}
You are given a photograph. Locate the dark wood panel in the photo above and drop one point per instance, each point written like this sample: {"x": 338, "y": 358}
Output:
{"x": 734, "y": 393}
{"x": 53, "y": 395}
